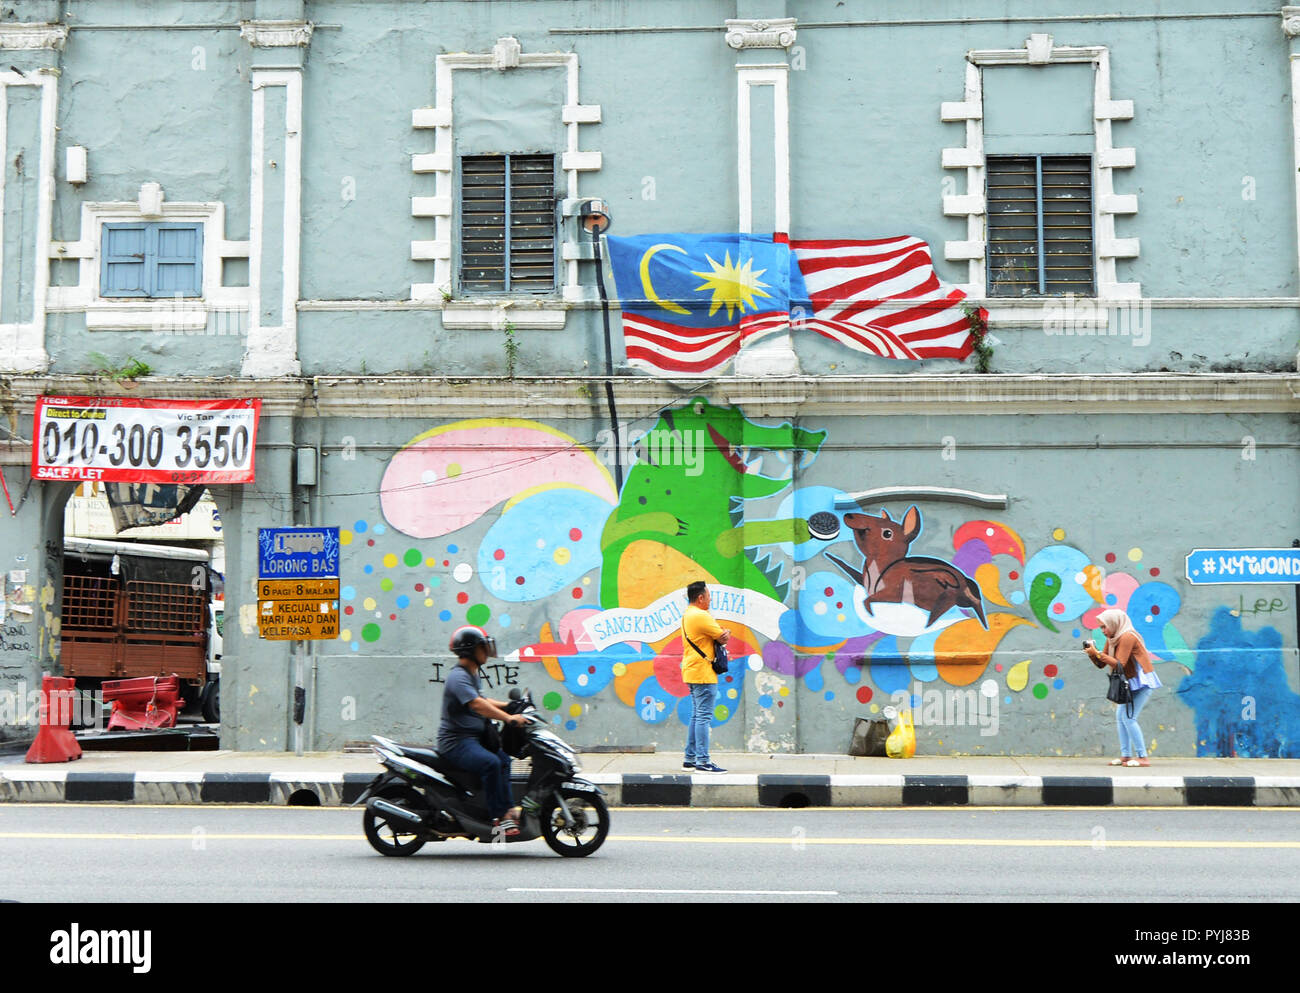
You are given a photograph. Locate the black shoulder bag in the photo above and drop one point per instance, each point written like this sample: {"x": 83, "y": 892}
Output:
{"x": 1119, "y": 690}
{"x": 720, "y": 661}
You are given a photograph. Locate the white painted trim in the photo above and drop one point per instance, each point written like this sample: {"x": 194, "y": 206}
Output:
{"x": 504, "y": 57}
{"x": 85, "y": 296}
{"x": 32, "y": 35}
{"x": 766, "y": 33}
{"x": 22, "y": 343}
{"x": 273, "y": 351}
{"x": 778, "y": 77}
{"x": 1295, "y": 133}
{"x": 483, "y": 316}
{"x": 277, "y": 34}
{"x": 1107, "y": 247}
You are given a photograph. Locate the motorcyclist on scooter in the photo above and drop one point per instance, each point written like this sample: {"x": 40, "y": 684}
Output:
{"x": 465, "y": 716}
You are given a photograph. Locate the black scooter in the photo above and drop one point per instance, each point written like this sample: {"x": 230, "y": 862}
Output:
{"x": 420, "y": 797}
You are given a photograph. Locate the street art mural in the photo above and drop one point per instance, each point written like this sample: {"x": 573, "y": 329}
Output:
{"x": 515, "y": 525}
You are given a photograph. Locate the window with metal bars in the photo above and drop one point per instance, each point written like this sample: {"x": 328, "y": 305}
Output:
{"x": 1040, "y": 225}
{"x": 507, "y": 223}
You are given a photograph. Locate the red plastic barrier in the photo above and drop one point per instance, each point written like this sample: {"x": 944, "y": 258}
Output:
{"x": 54, "y": 741}
{"x": 144, "y": 703}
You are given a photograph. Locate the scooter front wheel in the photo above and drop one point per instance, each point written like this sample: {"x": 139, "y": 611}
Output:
{"x": 581, "y": 833}
{"x": 396, "y": 837}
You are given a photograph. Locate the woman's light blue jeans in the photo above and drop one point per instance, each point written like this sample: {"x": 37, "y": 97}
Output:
{"x": 703, "y": 696}
{"x": 1130, "y": 735}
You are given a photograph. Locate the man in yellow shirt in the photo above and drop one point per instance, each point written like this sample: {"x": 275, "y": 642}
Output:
{"x": 701, "y": 633}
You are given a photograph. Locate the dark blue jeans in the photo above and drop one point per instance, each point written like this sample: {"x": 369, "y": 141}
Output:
{"x": 492, "y": 768}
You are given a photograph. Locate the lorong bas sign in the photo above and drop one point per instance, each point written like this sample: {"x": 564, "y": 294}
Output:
{"x": 298, "y": 585}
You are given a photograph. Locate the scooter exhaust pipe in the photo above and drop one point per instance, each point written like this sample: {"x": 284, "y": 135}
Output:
{"x": 391, "y": 810}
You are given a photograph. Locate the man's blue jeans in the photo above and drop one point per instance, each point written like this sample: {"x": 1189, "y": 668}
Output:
{"x": 492, "y": 769}
{"x": 703, "y": 696}
{"x": 1131, "y": 742}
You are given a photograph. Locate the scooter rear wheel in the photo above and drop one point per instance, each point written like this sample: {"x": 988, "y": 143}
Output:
{"x": 587, "y": 830}
{"x": 394, "y": 838}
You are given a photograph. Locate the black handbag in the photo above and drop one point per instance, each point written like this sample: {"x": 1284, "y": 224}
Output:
{"x": 720, "y": 661}
{"x": 490, "y": 737}
{"x": 1119, "y": 690}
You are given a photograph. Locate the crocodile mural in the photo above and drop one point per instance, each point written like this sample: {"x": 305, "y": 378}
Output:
{"x": 681, "y": 514}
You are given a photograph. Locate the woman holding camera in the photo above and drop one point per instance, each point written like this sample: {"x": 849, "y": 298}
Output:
{"x": 1124, "y": 647}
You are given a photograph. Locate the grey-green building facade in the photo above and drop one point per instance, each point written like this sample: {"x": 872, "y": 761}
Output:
{"x": 369, "y": 216}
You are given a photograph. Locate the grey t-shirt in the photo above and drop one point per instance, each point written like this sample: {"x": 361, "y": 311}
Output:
{"x": 458, "y": 721}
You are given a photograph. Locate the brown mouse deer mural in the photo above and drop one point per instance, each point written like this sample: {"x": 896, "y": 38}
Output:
{"x": 890, "y": 575}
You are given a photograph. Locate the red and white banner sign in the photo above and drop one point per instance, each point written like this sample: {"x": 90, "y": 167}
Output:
{"x": 115, "y": 439}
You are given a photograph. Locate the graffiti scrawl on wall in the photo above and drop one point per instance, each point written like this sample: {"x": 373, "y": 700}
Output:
{"x": 514, "y": 524}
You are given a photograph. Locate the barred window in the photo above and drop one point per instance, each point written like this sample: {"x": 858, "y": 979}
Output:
{"x": 507, "y": 223}
{"x": 1040, "y": 225}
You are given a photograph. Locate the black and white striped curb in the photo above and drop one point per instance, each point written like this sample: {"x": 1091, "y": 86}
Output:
{"x": 728, "y": 790}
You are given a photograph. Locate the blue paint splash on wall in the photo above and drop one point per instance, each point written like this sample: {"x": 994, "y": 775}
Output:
{"x": 1233, "y": 664}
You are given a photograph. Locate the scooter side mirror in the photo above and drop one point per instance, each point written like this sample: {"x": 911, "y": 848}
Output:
{"x": 515, "y": 694}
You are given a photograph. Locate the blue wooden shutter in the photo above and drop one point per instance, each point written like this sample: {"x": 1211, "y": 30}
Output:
{"x": 175, "y": 266}
{"x": 123, "y": 271}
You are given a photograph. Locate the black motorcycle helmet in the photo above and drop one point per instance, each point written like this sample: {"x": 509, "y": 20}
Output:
{"x": 465, "y": 640}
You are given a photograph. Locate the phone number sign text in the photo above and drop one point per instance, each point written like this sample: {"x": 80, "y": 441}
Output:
{"x": 145, "y": 441}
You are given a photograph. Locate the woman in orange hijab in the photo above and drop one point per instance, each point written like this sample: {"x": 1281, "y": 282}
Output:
{"x": 1124, "y": 647}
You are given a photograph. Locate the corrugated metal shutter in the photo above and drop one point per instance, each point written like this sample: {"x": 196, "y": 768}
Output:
{"x": 1039, "y": 225}
{"x": 514, "y": 193}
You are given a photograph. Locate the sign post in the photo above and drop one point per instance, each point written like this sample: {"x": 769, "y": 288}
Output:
{"x": 298, "y": 595}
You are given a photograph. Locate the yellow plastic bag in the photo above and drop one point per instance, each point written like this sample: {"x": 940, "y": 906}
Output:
{"x": 901, "y": 743}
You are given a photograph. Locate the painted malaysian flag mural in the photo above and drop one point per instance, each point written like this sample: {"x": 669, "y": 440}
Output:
{"x": 690, "y": 301}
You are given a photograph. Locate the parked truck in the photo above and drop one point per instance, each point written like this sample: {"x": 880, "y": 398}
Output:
{"x": 135, "y": 609}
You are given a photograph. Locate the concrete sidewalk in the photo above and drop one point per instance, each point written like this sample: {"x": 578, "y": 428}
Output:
{"x": 332, "y": 778}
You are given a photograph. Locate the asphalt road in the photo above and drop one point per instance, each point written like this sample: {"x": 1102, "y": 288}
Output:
{"x": 66, "y": 853}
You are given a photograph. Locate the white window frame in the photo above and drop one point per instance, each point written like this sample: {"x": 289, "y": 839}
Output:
{"x": 525, "y": 310}
{"x": 1107, "y": 248}
{"x": 159, "y": 313}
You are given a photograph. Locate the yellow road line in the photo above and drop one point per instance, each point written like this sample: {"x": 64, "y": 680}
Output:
{"x": 702, "y": 840}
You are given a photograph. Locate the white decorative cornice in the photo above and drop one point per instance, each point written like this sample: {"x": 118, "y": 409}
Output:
{"x": 29, "y": 36}
{"x": 777, "y": 33}
{"x": 276, "y": 34}
{"x": 1291, "y": 21}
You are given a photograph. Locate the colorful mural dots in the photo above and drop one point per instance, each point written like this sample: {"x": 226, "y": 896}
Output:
{"x": 1058, "y": 534}
{"x": 368, "y": 569}
{"x": 412, "y": 557}
{"x": 347, "y": 593}
{"x": 721, "y": 713}
{"x": 348, "y": 611}
{"x": 577, "y": 593}
{"x": 830, "y": 695}
{"x": 504, "y": 621}
{"x": 463, "y": 573}
{"x": 462, "y": 598}
{"x": 1110, "y": 556}
{"x": 444, "y": 615}
{"x": 1135, "y": 555}
{"x": 552, "y": 701}
{"x": 385, "y": 584}
{"x": 403, "y": 601}
{"x": 1018, "y": 676}
{"x": 575, "y": 710}
{"x": 370, "y": 632}
{"x": 1040, "y": 691}
{"x": 478, "y": 614}
{"x": 575, "y": 534}
{"x": 765, "y": 701}
{"x": 1049, "y": 671}
{"x": 428, "y": 602}
{"x": 864, "y": 694}
{"x": 431, "y": 562}
{"x": 359, "y": 527}
{"x": 1041, "y": 594}
{"x": 390, "y": 561}
{"x": 345, "y": 537}
{"x": 368, "y": 603}
{"x": 570, "y": 725}
{"x": 452, "y": 550}
{"x": 370, "y": 542}
{"x": 392, "y": 617}
{"x": 380, "y": 529}
{"x": 1058, "y": 684}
